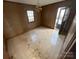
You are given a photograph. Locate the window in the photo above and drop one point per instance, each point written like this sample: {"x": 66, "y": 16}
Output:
{"x": 30, "y": 15}
{"x": 66, "y": 14}
{"x": 62, "y": 15}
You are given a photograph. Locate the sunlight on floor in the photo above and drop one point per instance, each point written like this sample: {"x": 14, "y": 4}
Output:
{"x": 54, "y": 37}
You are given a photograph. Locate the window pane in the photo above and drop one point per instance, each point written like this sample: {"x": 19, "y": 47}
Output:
{"x": 30, "y": 15}
{"x": 61, "y": 16}
{"x": 66, "y": 14}
{"x": 32, "y": 18}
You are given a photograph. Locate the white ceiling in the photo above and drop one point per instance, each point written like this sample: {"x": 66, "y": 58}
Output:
{"x": 34, "y": 2}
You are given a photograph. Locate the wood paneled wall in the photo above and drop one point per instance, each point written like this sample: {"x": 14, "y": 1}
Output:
{"x": 15, "y": 19}
{"x": 49, "y": 12}
{"x": 5, "y": 51}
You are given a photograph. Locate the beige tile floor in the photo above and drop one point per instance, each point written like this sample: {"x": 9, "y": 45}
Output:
{"x": 40, "y": 43}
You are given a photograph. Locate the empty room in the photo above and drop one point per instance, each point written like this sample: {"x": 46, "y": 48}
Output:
{"x": 39, "y": 29}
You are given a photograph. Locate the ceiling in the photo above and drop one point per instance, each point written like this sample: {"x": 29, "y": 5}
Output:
{"x": 34, "y": 2}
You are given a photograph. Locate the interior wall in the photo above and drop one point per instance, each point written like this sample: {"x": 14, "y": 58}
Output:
{"x": 15, "y": 19}
{"x": 5, "y": 51}
{"x": 49, "y": 12}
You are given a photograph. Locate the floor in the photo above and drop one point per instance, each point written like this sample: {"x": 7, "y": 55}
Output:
{"x": 39, "y": 43}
